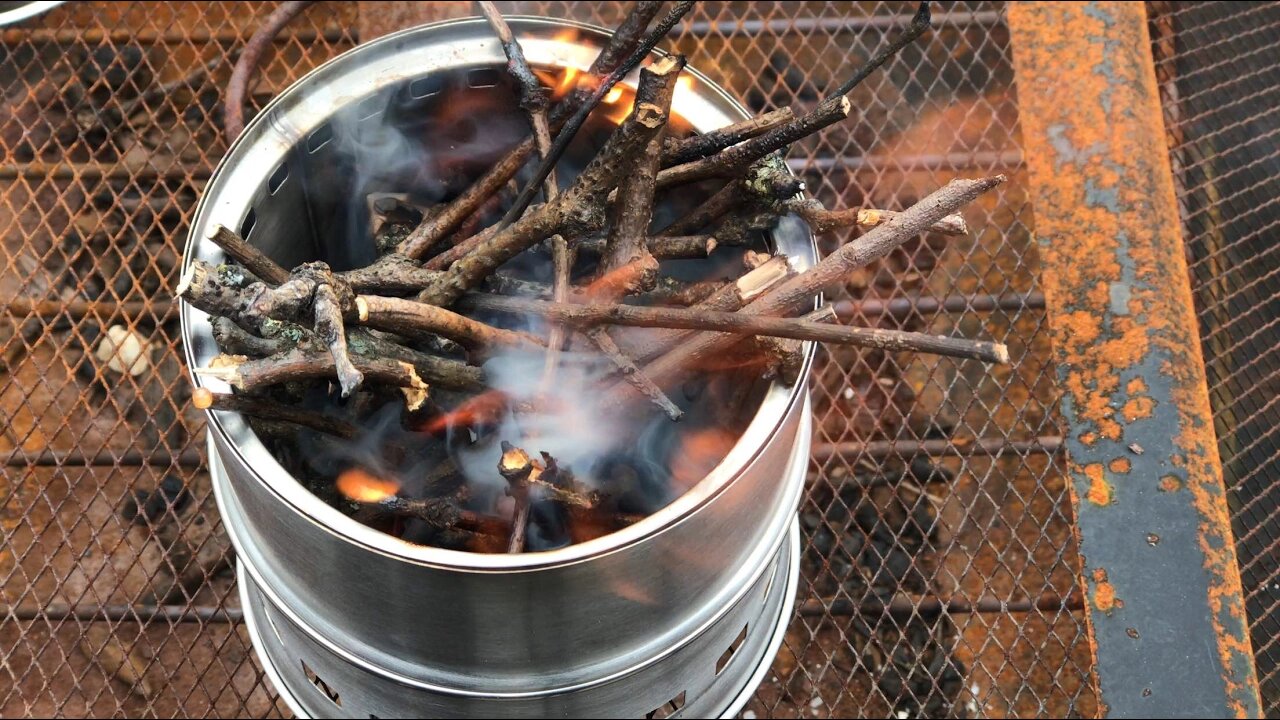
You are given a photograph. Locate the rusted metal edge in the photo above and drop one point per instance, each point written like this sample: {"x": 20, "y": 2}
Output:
{"x": 900, "y": 604}
{"x": 55, "y": 612}
{"x": 1165, "y": 613}
{"x": 956, "y": 447}
{"x": 103, "y": 458}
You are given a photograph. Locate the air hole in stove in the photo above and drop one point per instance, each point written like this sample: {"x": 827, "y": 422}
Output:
{"x": 667, "y": 709}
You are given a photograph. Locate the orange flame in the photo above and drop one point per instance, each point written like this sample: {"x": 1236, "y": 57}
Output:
{"x": 363, "y": 487}
{"x": 614, "y": 283}
{"x": 613, "y": 96}
{"x": 486, "y": 407}
{"x": 564, "y": 82}
{"x": 698, "y": 454}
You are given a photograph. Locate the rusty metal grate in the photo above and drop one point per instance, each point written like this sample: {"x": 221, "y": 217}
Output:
{"x": 939, "y": 565}
{"x": 1219, "y": 72}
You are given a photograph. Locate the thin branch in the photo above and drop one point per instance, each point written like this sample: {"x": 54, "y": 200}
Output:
{"x": 570, "y": 129}
{"x": 206, "y": 399}
{"x": 251, "y": 375}
{"x": 821, "y": 220}
{"x": 632, "y": 372}
{"x": 676, "y": 151}
{"x": 253, "y": 259}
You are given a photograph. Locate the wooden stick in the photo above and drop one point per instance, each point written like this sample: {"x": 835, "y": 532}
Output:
{"x": 792, "y": 295}
{"x": 821, "y": 220}
{"x": 571, "y": 127}
{"x": 206, "y": 399}
{"x": 436, "y": 371}
{"x": 256, "y": 261}
{"x": 625, "y": 246}
{"x": 515, "y": 467}
{"x": 251, "y": 375}
{"x": 706, "y": 213}
{"x": 632, "y": 373}
{"x": 676, "y": 247}
{"x": 677, "y": 151}
{"x": 831, "y": 110}
{"x": 739, "y": 324}
{"x": 329, "y": 328}
{"x": 406, "y": 317}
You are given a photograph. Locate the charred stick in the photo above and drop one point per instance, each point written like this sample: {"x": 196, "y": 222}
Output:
{"x": 562, "y": 264}
{"x": 235, "y": 340}
{"x": 247, "y": 255}
{"x": 632, "y": 372}
{"x": 431, "y": 231}
{"x": 625, "y": 246}
{"x": 577, "y": 211}
{"x": 439, "y": 513}
{"x": 206, "y": 399}
{"x": 251, "y": 375}
{"x": 329, "y": 328}
{"x": 787, "y": 355}
{"x": 707, "y": 212}
{"x": 793, "y": 295}
{"x": 669, "y": 291}
{"x": 587, "y": 316}
{"x": 406, "y": 317}
{"x": 831, "y": 110}
{"x": 822, "y": 220}
{"x": 434, "y": 370}
{"x": 678, "y": 151}
{"x": 515, "y": 467}
{"x": 571, "y": 127}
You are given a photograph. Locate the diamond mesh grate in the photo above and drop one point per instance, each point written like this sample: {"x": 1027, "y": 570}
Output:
{"x": 934, "y": 495}
{"x": 1219, "y": 72}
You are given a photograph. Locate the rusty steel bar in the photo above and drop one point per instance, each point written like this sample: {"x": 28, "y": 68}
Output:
{"x": 123, "y": 613}
{"x": 93, "y": 171}
{"x": 781, "y": 26}
{"x": 956, "y": 447}
{"x": 901, "y": 604}
{"x": 956, "y": 161}
{"x": 103, "y": 458}
{"x": 175, "y": 36}
{"x": 99, "y": 309}
{"x": 950, "y": 304}
{"x": 1165, "y": 608}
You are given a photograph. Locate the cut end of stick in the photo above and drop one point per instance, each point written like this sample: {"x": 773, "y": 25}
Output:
{"x": 362, "y": 309}
{"x": 712, "y": 243}
{"x": 215, "y": 230}
{"x": 846, "y": 106}
{"x": 225, "y": 368}
{"x": 650, "y": 115}
{"x": 1001, "y": 352}
{"x": 187, "y": 280}
{"x": 416, "y": 392}
{"x": 666, "y": 65}
{"x": 202, "y": 398}
{"x": 762, "y": 278}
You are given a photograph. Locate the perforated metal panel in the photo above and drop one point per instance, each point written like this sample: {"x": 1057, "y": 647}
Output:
{"x": 939, "y": 566}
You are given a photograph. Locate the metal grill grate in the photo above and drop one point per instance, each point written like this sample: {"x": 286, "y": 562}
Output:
{"x": 1219, "y": 71}
{"x": 939, "y": 565}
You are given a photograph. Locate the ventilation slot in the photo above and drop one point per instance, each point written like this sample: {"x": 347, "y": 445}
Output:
{"x": 320, "y": 137}
{"x": 246, "y": 226}
{"x": 729, "y": 652}
{"x": 277, "y": 178}
{"x": 321, "y": 685}
{"x": 483, "y": 78}
{"x": 667, "y": 709}
{"x": 425, "y": 87}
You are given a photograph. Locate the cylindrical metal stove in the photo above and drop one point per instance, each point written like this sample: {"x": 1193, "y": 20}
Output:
{"x": 679, "y": 614}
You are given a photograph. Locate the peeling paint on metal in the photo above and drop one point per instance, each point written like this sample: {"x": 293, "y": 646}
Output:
{"x": 1132, "y": 378}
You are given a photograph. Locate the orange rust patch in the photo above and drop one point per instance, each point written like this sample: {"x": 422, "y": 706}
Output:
{"x": 1104, "y": 598}
{"x": 1136, "y": 386}
{"x": 1099, "y": 489}
{"x": 1120, "y": 465}
{"x": 1088, "y": 437}
{"x": 1139, "y": 408}
{"x": 1170, "y": 483}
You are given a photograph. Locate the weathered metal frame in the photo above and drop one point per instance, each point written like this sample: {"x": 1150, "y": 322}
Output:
{"x": 1165, "y": 606}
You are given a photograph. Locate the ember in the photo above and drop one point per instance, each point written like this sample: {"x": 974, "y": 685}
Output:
{"x": 360, "y": 486}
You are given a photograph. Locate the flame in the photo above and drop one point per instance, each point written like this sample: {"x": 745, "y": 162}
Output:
{"x": 361, "y": 486}
{"x": 484, "y": 408}
{"x": 563, "y": 82}
{"x": 613, "y": 96}
{"x": 699, "y": 452}
{"x": 615, "y": 282}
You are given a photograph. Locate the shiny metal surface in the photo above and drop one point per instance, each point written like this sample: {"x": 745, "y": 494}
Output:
{"x": 602, "y": 627}
{"x": 16, "y": 12}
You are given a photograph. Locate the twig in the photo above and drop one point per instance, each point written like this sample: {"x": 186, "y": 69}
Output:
{"x": 831, "y": 110}
{"x": 206, "y": 399}
{"x": 436, "y": 371}
{"x": 252, "y": 375}
{"x": 329, "y": 328}
{"x": 676, "y": 151}
{"x": 792, "y": 295}
{"x": 676, "y": 247}
{"x": 406, "y": 317}
{"x": 254, "y": 260}
{"x": 822, "y": 220}
{"x": 587, "y": 316}
{"x": 575, "y": 123}
{"x": 632, "y": 373}
{"x": 625, "y": 246}
{"x": 515, "y": 467}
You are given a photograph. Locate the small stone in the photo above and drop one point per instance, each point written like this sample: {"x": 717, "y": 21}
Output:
{"x": 815, "y": 703}
{"x": 1131, "y": 632}
{"x": 124, "y": 351}
{"x": 1146, "y": 692}
{"x": 1136, "y": 449}
{"x": 1153, "y": 539}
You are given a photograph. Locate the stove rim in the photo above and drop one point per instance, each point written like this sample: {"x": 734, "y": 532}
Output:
{"x": 768, "y": 421}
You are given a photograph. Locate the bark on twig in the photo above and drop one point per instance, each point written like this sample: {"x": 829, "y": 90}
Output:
{"x": 821, "y": 220}
{"x": 515, "y": 466}
{"x": 586, "y": 316}
{"x": 632, "y": 372}
{"x": 206, "y": 399}
{"x": 252, "y": 375}
{"x": 254, "y": 260}
{"x": 676, "y": 151}
{"x": 407, "y": 317}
